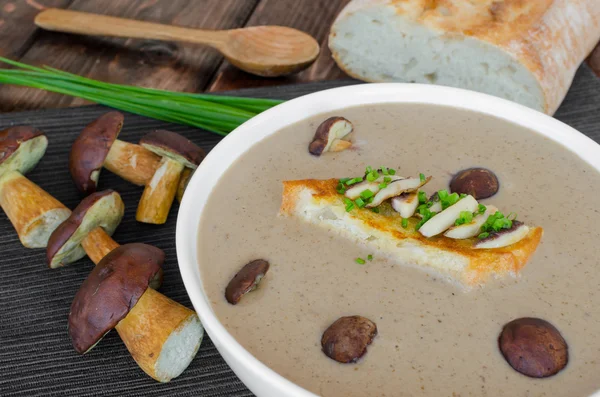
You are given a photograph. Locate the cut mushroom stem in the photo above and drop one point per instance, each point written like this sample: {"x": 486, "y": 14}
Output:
{"x": 162, "y": 336}
{"x": 473, "y": 228}
{"x": 177, "y": 153}
{"x": 396, "y": 188}
{"x": 406, "y": 204}
{"x": 504, "y": 237}
{"x": 159, "y": 193}
{"x": 33, "y": 212}
{"x": 98, "y": 244}
{"x": 131, "y": 162}
{"x": 186, "y": 175}
{"x": 442, "y": 221}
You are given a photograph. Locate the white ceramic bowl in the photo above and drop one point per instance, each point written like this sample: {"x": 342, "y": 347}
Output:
{"x": 261, "y": 380}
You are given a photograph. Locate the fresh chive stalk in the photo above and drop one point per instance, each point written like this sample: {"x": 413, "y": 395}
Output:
{"x": 215, "y": 113}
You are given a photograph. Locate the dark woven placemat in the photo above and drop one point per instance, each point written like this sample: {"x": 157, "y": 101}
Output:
{"x": 36, "y": 356}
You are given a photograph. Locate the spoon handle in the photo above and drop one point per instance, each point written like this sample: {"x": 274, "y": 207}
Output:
{"x": 101, "y": 25}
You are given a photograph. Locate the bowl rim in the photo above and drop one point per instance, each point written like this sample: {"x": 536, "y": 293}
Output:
{"x": 259, "y": 127}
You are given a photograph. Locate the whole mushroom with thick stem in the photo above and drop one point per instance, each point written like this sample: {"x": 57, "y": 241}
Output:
{"x": 162, "y": 336}
{"x": 177, "y": 153}
{"x": 33, "y": 212}
{"x": 97, "y": 147}
{"x": 88, "y": 230}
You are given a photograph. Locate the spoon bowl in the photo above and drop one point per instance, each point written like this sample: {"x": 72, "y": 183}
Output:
{"x": 268, "y": 51}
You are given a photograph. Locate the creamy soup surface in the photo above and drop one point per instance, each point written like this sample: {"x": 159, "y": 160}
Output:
{"x": 434, "y": 339}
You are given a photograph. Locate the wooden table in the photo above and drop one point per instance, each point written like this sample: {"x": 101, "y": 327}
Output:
{"x": 150, "y": 63}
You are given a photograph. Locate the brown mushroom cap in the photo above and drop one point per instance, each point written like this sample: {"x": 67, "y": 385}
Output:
{"x": 480, "y": 183}
{"x": 346, "y": 340}
{"x": 91, "y": 148}
{"x": 246, "y": 280}
{"x": 533, "y": 347}
{"x": 174, "y": 146}
{"x": 21, "y": 148}
{"x": 329, "y": 130}
{"x": 110, "y": 291}
{"x": 101, "y": 209}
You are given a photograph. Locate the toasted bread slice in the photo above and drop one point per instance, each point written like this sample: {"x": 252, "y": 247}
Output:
{"x": 317, "y": 202}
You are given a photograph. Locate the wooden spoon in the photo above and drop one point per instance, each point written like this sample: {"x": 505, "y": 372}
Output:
{"x": 263, "y": 50}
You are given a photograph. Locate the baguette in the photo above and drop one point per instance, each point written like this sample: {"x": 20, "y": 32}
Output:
{"x": 524, "y": 51}
{"x": 317, "y": 202}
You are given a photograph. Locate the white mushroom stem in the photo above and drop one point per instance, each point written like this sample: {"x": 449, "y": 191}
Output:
{"x": 472, "y": 228}
{"x": 131, "y": 162}
{"x": 98, "y": 244}
{"x": 406, "y": 204}
{"x": 162, "y": 336}
{"x": 504, "y": 238}
{"x": 447, "y": 217}
{"x": 33, "y": 212}
{"x": 159, "y": 193}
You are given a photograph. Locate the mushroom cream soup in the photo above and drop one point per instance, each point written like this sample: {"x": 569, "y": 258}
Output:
{"x": 433, "y": 338}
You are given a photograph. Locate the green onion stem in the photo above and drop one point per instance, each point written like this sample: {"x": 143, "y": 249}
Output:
{"x": 217, "y": 113}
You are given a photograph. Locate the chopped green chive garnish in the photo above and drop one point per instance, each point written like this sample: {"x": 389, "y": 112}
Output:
{"x": 349, "y": 204}
{"x": 447, "y": 199}
{"x": 370, "y": 257}
{"x": 404, "y": 223}
{"x": 366, "y": 194}
{"x": 344, "y": 180}
{"x": 384, "y": 171}
{"x": 422, "y": 177}
{"x": 360, "y": 261}
{"x": 375, "y": 210}
{"x": 360, "y": 202}
{"x": 463, "y": 218}
{"x": 391, "y": 171}
{"x": 462, "y": 195}
{"x": 341, "y": 189}
{"x": 495, "y": 223}
{"x": 483, "y": 235}
{"x": 387, "y": 179}
{"x": 425, "y": 213}
{"x": 422, "y": 197}
{"x": 481, "y": 208}
{"x": 372, "y": 176}
{"x": 353, "y": 181}
{"x": 368, "y": 169}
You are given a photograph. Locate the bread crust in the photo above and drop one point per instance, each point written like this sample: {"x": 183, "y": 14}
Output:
{"x": 480, "y": 264}
{"x": 549, "y": 37}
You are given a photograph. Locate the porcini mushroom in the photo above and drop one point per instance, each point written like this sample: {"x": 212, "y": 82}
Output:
{"x": 346, "y": 340}
{"x": 33, "y": 212}
{"x": 162, "y": 336}
{"x": 88, "y": 230}
{"x": 246, "y": 280}
{"x": 100, "y": 213}
{"x": 331, "y": 136}
{"x": 480, "y": 183}
{"x": 177, "y": 153}
{"x": 97, "y": 146}
{"x": 533, "y": 347}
